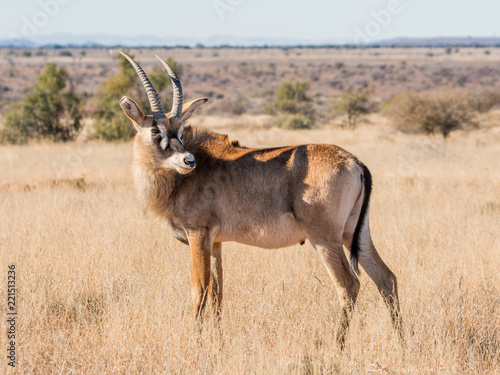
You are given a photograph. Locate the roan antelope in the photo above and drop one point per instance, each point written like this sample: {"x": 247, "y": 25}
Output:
{"x": 210, "y": 191}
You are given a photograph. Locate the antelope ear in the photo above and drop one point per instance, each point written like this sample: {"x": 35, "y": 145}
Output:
{"x": 133, "y": 112}
{"x": 189, "y": 107}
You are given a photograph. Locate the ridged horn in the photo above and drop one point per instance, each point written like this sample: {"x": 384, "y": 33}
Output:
{"x": 154, "y": 100}
{"x": 177, "y": 99}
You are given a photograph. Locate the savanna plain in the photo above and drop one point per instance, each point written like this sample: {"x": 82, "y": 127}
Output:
{"x": 104, "y": 289}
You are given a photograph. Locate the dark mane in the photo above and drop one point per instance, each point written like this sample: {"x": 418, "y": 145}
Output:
{"x": 237, "y": 144}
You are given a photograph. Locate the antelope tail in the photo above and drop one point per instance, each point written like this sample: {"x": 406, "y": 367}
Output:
{"x": 355, "y": 246}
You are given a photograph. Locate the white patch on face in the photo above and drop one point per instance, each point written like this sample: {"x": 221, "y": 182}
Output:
{"x": 179, "y": 133}
{"x": 164, "y": 143}
{"x": 164, "y": 138}
{"x": 168, "y": 163}
{"x": 177, "y": 161}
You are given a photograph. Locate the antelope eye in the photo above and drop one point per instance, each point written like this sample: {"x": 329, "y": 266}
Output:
{"x": 155, "y": 131}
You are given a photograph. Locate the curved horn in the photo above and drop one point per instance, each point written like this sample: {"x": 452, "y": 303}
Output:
{"x": 154, "y": 100}
{"x": 177, "y": 99}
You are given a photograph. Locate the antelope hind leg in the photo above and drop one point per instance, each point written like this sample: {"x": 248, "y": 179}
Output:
{"x": 382, "y": 276}
{"x": 346, "y": 284}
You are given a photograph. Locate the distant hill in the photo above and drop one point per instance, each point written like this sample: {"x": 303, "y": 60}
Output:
{"x": 106, "y": 40}
{"x": 20, "y": 43}
{"x": 64, "y": 39}
{"x": 440, "y": 42}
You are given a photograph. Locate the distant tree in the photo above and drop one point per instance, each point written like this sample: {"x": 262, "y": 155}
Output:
{"x": 355, "y": 104}
{"x": 433, "y": 113}
{"x": 50, "y": 110}
{"x": 272, "y": 68}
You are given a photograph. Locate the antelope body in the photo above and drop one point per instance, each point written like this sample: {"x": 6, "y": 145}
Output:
{"x": 210, "y": 190}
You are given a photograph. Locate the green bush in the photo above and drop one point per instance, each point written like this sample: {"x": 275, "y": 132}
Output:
{"x": 292, "y": 98}
{"x": 49, "y": 111}
{"x": 432, "y": 113}
{"x": 355, "y": 104}
{"x": 110, "y": 123}
{"x": 294, "y": 107}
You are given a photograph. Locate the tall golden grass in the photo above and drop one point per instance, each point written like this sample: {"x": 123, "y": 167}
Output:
{"x": 105, "y": 290}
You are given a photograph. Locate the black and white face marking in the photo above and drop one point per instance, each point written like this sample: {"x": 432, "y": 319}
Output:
{"x": 159, "y": 134}
{"x": 173, "y": 149}
{"x": 156, "y": 130}
{"x": 179, "y": 133}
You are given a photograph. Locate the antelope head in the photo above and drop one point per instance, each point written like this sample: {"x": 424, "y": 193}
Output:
{"x": 162, "y": 133}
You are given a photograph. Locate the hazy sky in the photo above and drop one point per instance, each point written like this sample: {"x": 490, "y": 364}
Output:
{"x": 311, "y": 19}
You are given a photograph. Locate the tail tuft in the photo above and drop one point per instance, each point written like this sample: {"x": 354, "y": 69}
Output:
{"x": 355, "y": 247}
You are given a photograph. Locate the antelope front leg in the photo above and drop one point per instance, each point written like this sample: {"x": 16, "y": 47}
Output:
{"x": 200, "y": 269}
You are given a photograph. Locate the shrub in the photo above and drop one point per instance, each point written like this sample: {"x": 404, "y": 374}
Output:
{"x": 483, "y": 100}
{"x": 110, "y": 124}
{"x": 49, "y": 111}
{"x": 355, "y": 104}
{"x": 431, "y": 112}
{"x": 291, "y": 99}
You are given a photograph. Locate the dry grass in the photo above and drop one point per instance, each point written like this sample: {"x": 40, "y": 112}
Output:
{"x": 102, "y": 290}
